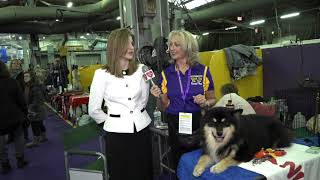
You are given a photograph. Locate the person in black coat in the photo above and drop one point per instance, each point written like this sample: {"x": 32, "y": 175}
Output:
{"x": 13, "y": 115}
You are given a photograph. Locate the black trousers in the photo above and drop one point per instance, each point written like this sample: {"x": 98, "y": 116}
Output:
{"x": 37, "y": 128}
{"x": 176, "y": 148}
{"x": 129, "y": 155}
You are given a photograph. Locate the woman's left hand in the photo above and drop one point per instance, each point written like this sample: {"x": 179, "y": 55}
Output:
{"x": 200, "y": 99}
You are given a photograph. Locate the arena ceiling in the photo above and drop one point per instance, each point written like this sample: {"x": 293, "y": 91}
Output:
{"x": 53, "y": 17}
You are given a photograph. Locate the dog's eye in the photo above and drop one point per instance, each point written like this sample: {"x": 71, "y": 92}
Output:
{"x": 214, "y": 120}
{"x": 223, "y": 120}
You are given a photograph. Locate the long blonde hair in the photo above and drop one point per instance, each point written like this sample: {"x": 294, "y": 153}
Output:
{"x": 189, "y": 45}
{"x": 117, "y": 47}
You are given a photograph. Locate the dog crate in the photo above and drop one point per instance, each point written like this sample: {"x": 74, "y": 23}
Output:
{"x": 298, "y": 109}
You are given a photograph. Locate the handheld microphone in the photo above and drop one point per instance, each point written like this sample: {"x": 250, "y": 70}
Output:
{"x": 148, "y": 74}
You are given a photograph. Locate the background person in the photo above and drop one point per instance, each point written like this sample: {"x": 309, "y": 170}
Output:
{"x": 230, "y": 92}
{"x": 186, "y": 86}
{"x": 13, "y": 114}
{"x": 36, "y": 111}
{"x": 121, "y": 85}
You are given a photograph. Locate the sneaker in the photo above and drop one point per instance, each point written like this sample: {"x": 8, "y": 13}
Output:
{"x": 35, "y": 142}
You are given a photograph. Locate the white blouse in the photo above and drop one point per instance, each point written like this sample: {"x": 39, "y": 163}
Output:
{"x": 125, "y": 98}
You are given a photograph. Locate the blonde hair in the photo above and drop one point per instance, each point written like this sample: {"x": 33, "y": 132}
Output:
{"x": 11, "y": 62}
{"x": 117, "y": 47}
{"x": 189, "y": 45}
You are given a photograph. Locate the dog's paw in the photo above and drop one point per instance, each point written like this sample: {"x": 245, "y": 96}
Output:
{"x": 218, "y": 168}
{"x": 198, "y": 170}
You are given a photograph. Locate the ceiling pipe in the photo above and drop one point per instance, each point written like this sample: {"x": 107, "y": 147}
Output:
{"x": 226, "y": 9}
{"x": 12, "y": 14}
{"x": 74, "y": 1}
{"x": 55, "y": 28}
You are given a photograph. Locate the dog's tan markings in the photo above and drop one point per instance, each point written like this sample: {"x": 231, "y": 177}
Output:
{"x": 224, "y": 164}
{"x": 202, "y": 164}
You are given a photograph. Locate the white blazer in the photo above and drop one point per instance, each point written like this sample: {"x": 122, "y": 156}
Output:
{"x": 125, "y": 98}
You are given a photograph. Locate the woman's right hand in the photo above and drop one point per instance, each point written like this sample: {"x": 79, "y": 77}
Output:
{"x": 155, "y": 91}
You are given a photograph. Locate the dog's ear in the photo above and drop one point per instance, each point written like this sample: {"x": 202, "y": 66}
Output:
{"x": 237, "y": 113}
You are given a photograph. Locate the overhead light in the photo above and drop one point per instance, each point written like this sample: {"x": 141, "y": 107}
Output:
{"x": 206, "y": 33}
{"x": 232, "y": 27}
{"x": 272, "y": 32}
{"x": 69, "y": 4}
{"x": 82, "y": 37}
{"x": 290, "y": 15}
{"x": 257, "y": 22}
{"x": 20, "y": 37}
{"x": 88, "y": 34}
{"x": 43, "y": 37}
{"x": 197, "y": 3}
{"x": 118, "y": 18}
{"x": 57, "y": 20}
{"x": 239, "y": 18}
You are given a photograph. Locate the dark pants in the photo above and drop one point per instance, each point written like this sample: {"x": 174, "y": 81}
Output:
{"x": 18, "y": 144}
{"x": 37, "y": 128}
{"x": 129, "y": 155}
{"x": 176, "y": 148}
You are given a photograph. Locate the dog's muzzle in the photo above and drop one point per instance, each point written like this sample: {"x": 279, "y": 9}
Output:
{"x": 218, "y": 138}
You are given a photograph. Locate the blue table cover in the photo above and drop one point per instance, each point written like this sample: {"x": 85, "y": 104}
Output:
{"x": 189, "y": 160}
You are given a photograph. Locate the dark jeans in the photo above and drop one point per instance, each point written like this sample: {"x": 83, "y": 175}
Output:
{"x": 176, "y": 148}
{"x": 18, "y": 139}
{"x": 37, "y": 128}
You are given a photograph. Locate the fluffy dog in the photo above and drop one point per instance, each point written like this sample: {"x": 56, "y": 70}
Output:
{"x": 230, "y": 138}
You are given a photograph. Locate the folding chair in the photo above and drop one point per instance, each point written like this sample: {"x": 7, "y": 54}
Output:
{"x": 72, "y": 139}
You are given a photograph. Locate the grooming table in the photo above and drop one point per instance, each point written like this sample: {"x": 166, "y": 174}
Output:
{"x": 296, "y": 164}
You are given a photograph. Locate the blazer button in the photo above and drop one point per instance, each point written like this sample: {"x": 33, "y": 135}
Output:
{"x": 127, "y": 85}
{"x": 129, "y": 99}
{"x": 131, "y": 112}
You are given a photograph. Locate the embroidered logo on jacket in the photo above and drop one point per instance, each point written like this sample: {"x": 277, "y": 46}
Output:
{"x": 196, "y": 79}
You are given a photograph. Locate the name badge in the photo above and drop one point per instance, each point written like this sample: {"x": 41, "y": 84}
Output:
{"x": 185, "y": 123}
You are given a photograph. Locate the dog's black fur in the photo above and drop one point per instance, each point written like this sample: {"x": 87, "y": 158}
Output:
{"x": 227, "y": 133}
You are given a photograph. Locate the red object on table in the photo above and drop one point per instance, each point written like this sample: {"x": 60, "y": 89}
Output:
{"x": 78, "y": 100}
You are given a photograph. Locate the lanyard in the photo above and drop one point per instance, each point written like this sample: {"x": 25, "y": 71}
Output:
{"x": 184, "y": 92}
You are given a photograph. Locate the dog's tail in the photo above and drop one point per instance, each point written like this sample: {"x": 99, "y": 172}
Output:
{"x": 282, "y": 136}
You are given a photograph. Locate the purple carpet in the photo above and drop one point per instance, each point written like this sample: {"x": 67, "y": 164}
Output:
{"x": 47, "y": 160}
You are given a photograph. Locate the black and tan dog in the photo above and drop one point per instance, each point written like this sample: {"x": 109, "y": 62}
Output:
{"x": 230, "y": 138}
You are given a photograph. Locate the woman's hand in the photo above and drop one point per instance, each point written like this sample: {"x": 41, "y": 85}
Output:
{"x": 155, "y": 91}
{"x": 200, "y": 100}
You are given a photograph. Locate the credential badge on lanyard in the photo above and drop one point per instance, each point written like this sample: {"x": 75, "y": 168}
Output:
{"x": 185, "y": 119}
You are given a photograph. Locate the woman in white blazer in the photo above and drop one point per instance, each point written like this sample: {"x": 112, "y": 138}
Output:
{"x": 121, "y": 85}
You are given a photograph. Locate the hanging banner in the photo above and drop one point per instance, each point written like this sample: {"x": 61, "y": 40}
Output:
{"x": 3, "y": 55}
